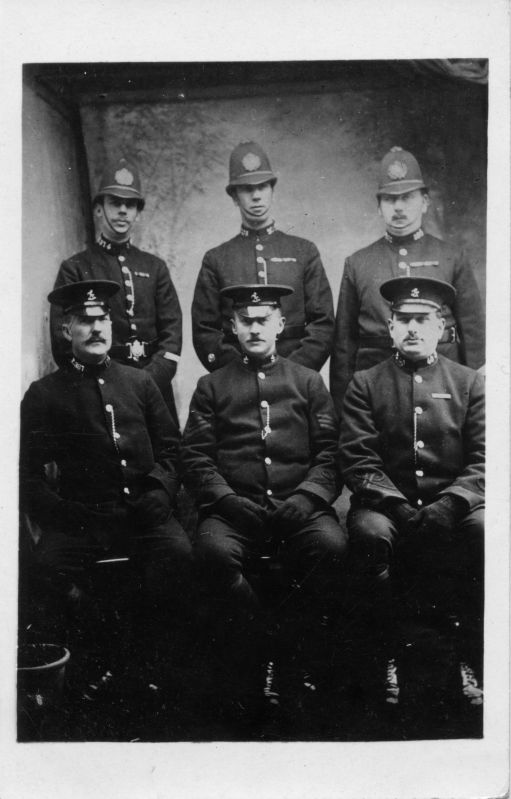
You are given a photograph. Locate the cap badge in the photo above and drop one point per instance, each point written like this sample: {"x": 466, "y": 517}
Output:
{"x": 90, "y": 295}
{"x": 255, "y": 297}
{"x": 397, "y": 170}
{"x": 415, "y": 293}
{"x": 251, "y": 162}
{"x": 124, "y": 177}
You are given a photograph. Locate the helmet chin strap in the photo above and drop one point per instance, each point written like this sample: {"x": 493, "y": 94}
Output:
{"x": 100, "y": 211}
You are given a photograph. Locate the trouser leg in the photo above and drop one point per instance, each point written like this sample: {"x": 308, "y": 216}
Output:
{"x": 312, "y": 556}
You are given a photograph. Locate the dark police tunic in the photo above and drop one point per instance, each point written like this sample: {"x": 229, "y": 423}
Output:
{"x": 260, "y": 431}
{"x": 107, "y": 429}
{"x": 264, "y": 256}
{"x": 264, "y": 432}
{"x": 361, "y": 333}
{"x": 146, "y": 309}
{"x": 414, "y": 434}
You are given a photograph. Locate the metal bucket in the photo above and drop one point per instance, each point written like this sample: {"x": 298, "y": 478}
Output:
{"x": 41, "y": 674}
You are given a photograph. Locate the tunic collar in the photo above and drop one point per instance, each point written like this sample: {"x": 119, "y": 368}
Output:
{"x": 93, "y": 370}
{"x": 399, "y": 241}
{"x": 255, "y": 364}
{"x": 247, "y": 233}
{"x": 414, "y": 366}
{"x": 112, "y": 247}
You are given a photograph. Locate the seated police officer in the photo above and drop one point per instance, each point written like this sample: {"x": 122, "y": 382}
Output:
{"x": 115, "y": 444}
{"x": 412, "y": 452}
{"x": 259, "y": 457}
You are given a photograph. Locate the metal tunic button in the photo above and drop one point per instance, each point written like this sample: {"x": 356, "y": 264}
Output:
{"x": 267, "y": 461}
{"x": 420, "y": 444}
{"x": 125, "y": 269}
{"x": 264, "y": 404}
{"x": 123, "y": 463}
{"x": 117, "y": 435}
{"x": 126, "y": 490}
{"x": 419, "y": 502}
{"x": 403, "y": 251}
{"x": 108, "y": 408}
{"x": 260, "y": 259}
{"x": 418, "y": 379}
{"x": 127, "y": 282}
{"x": 261, "y": 375}
{"x": 418, "y": 409}
{"x": 269, "y": 492}
{"x": 403, "y": 265}
{"x": 101, "y": 381}
{"x": 121, "y": 258}
{"x": 261, "y": 274}
{"x": 211, "y": 357}
{"x": 419, "y": 473}
{"x": 133, "y": 326}
{"x": 259, "y": 246}
{"x": 129, "y": 297}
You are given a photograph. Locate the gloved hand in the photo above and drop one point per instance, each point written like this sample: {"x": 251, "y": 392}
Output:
{"x": 241, "y": 512}
{"x": 401, "y": 513}
{"x": 151, "y": 507}
{"x": 441, "y": 516}
{"x": 294, "y": 511}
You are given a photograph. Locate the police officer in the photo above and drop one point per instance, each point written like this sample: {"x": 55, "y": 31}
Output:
{"x": 361, "y": 335}
{"x": 146, "y": 315}
{"x": 261, "y": 254}
{"x": 259, "y": 457}
{"x": 110, "y": 434}
{"x": 412, "y": 452}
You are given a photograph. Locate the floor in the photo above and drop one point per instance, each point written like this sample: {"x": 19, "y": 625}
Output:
{"x": 191, "y": 687}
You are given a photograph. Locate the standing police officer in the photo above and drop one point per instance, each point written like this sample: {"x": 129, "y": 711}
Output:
{"x": 361, "y": 335}
{"x": 146, "y": 316}
{"x": 262, "y": 254}
{"x": 412, "y": 452}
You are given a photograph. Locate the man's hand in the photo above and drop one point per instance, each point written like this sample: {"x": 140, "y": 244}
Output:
{"x": 152, "y": 507}
{"x": 241, "y": 512}
{"x": 401, "y": 513}
{"x": 294, "y": 511}
{"x": 441, "y": 516}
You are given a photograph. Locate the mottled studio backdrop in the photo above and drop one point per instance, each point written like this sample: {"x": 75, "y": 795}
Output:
{"x": 324, "y": 146}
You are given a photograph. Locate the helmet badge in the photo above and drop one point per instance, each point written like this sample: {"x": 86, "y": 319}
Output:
{"x": 251, "y": 162}
{"x": 124, "y": 177}
{"x": 397, "y": 170}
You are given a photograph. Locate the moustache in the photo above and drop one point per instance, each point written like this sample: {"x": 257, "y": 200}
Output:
{"x": 94, "y": 339}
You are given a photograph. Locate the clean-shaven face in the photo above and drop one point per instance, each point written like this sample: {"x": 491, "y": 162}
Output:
{"x": 255, "y": 204}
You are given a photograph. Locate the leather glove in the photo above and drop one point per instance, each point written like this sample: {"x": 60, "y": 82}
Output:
{"x": 295, "y": 510}
{"x": 441, "y": 516}
{"x": 401, "y": 513}
{"x": 152, "y": 507}
{"x": 241, "y": 512}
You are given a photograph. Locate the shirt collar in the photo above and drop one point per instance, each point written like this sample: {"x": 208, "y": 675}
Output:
{"x": 398, "y": 241}
{"x": 246, "y": 232}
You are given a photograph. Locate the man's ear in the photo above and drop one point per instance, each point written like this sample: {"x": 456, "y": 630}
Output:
{"x": 282, "y": 323}
{"x": 66, "y": 330}
{"x": 233, "y": 326}
{"x": 390, "y": 325}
